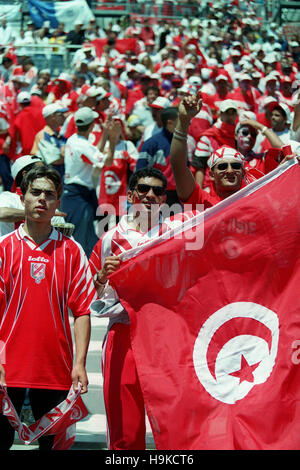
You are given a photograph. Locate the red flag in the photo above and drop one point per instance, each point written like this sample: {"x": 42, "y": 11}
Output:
{"x": 215, "y": 328}
{"x": 122, "y": 45}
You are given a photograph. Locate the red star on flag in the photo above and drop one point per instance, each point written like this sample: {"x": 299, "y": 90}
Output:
{"x": 246, "y": 371}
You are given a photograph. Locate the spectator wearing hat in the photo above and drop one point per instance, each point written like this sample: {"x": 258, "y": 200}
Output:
{"x": 97, "y": 99}
{"x": 83, "y": 164}
{"x": 76, "y": 35}
{"x": 264, "y": 117}
{"x": 281, "y": 120}
{"x": 48, "y": 143}
{"x": 142, "y": 107}
{"x": 221, "y": 133}
{"x": 147, "y": 32}
{"x": 285, "y": 91}
{"x": 246, "y": 132}
{"x": 222, "y": 85}
{"x": 156, "y": 107}
{"x": 28, "y": 122}
{"x": 138, "y": 92}
{"x": 269, "y": 83}
{"x": 226, "y": 164}
{"x": 245, "y": 94}
{"x": 11, "y": 208}
{"x": 59, "y": 88}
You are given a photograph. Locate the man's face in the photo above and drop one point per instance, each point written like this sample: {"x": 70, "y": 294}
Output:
{"x": 278, "y": 120}
{"x": 245, "y": 138}
{"x": 227, "y": 178}
{"x": 245, "y": 85}
{"x": 151, "y": 96}
{"x": 40, "y": 200}
{"x": 229, "y": 116}
{"x": 146, "y": 195}
{"x": 103, "y": 104}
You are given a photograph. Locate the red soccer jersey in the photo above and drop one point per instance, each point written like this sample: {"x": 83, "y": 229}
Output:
{"x": 38, "y": 284}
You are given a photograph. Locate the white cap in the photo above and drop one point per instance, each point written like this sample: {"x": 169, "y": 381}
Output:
{"x": 227, "y": 104}
{"x": 23, "y": 162}
{"x": 98, "y": 91}
{"x": 244, "y": 76}
{"x": 161, "y": 103}
{"x": 221, "y": 77}
{"x": 52, "y": 108}
{"x": 195, "y": 80}
{"x": 187, "y": 88}
{"x": 85, "y": 116}
{"x": 24, "y": 97}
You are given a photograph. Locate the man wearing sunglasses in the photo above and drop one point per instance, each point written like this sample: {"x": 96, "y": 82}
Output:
{"x": 123, "y": 397}
{"x": 227, "y": 178}
{"x": 246, "y": 133}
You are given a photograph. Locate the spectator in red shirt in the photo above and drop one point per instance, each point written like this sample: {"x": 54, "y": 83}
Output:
{"x": 226, "y": 181}
{"x": 147, "y": 32}
{"x": 28, "y": 122}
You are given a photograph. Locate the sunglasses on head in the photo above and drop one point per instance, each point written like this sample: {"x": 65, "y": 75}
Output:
{"x": 145, "y": 188}
{"x": 224, "y": 165}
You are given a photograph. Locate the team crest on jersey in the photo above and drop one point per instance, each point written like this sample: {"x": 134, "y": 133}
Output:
{"x": 38, "y": 271}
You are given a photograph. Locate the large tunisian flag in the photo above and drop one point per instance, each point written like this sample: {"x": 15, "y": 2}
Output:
{"x": 215, "y": 328}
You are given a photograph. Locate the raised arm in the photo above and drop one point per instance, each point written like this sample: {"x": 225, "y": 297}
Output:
{"x": 273, "y": 138}
{"x": 184, "y": 179}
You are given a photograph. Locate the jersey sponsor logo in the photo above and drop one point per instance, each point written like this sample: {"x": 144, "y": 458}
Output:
{"x": 39, "y": 259}
{"x": 38, "y": 271}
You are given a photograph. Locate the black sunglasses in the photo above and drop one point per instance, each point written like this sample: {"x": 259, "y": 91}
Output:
{"x": 145, "y": 188}
{"x": 224, "y": 165}
{"x": 246, "y": 132}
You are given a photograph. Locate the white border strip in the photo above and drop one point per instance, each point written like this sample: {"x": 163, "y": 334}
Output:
{"x": 208, "y": 213}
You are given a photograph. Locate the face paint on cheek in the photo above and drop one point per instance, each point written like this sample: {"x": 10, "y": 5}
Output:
{"x": 243, "y": 142}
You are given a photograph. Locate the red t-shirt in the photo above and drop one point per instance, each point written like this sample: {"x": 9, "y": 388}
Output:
{"x": 38, "y": 284}
{"x": 199, "y": 196}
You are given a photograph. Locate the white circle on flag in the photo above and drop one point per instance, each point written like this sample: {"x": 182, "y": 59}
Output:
{"x": 112, "y": 182}
{"x": 229, "y": 360}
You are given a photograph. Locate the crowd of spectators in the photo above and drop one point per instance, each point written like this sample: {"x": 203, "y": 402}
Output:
{"x": 134, "y": 77}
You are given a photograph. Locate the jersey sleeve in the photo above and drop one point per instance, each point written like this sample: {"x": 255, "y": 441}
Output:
{"x": 81, "y": 289}
{"x": 95, "y": 258}
{"x": 92, "y": 156}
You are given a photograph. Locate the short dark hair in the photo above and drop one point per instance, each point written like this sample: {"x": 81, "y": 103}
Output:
{"x": 143, "y": 173}
{"x": 42, "y": 172}
{"x": 169, "y": 113}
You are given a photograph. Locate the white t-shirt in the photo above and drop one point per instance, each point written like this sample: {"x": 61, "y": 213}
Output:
{"x": 12, "y": 200}
{"x": 81, "y": 158}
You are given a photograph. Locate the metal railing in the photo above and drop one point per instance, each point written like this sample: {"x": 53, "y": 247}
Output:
{"x": 55, "y": 57}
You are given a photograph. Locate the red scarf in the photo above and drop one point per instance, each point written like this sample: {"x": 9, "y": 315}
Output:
{"x": 223, "y": 134}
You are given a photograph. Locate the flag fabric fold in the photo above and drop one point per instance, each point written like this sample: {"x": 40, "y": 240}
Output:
{"x": 60, "y": 421}
{"x": 214, "y": 327}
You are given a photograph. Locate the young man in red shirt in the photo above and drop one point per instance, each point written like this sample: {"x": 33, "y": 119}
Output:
{"x": 43, "y": 274}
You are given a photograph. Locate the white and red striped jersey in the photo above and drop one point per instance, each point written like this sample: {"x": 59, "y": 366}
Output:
{"x": 117, "y": 241}
{"x": 38, "y": 286}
